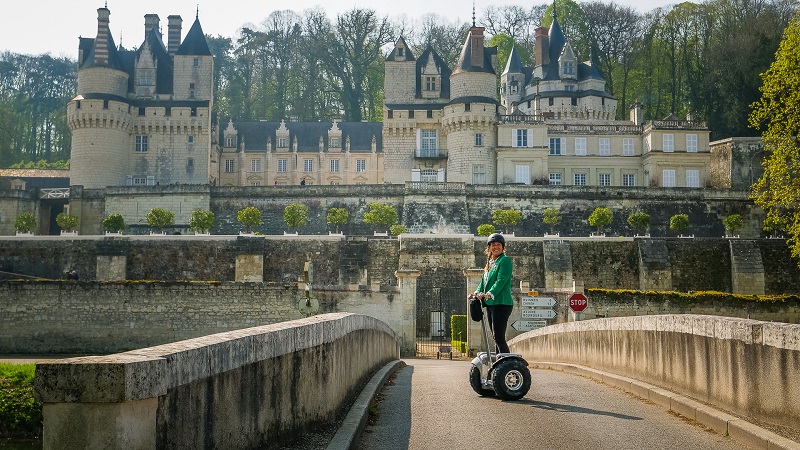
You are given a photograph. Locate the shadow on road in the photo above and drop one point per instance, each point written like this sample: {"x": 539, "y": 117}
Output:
{"x": 574, "y": 409}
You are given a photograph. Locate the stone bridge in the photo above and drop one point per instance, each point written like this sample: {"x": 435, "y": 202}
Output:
{"x": 254, "y": 387}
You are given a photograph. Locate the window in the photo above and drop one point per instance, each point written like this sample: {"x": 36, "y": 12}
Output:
{"x": 282, "y": 165}
{"x": 427, "y": 143}
{"x": 139, "y": 181}
{"x": 335, "y": 143}
{"x": 429, "y": 114}
{"x": 190, "y": 139}
{"x": 334, "y": 165}
{"x": 230, "y": 142}
{"x": 668, "y": 178}
{"x": 151, "y": 181}
{"x": 693, "y": 178}
{"x": 523, "y": 174}
{"x": 521, "y": 138}
{"x": 555, "y": 146}
{"x": 283, "y": 143}
{"x": 196, "y": 62}
{"x": 555, "y": 179}
{"x": 361, "y": 165}
{"x": 255, "y": 165}
{"x": 668, "y": 141}
{"x": 579, "y": 179}
{"x": 191, "y": 90}
{"x": 229, "y": 165}
{"x": 428, "y": 175}
{"x": 569, "y": 68}
{"x": 580, "y": 146}
{"x": 604, "y": 179}
{"x": 390, "y": 114}
{"x": 605, "y": 147}
{"x": 255, "y": 183}
{"x": 190, "y": 163}
{"x": 574, "y": 101}
{"x": 571, "y": 88}
{"x": 478, "y": 174}
{"x": 141, "y": 111}
{"x": 308, "y": 165}
{"x": 628, "y": 179}
{"x": 478, "y": 140}
{"x": 141, "y": 143}
{"x": 430, "y": 83}
{"x": 193, "y": 112}
{"x": 467, "y": 107}
{"x": 145, "y": 78}
{"x": 627, "y": 147}
{"x": 691, "y": 143}
{"x": 410, "y": 113}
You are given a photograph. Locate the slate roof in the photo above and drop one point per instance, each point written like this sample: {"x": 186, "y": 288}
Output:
{"x": 464, "y": 63}
{"x": 393, "y": 55}
{"x": 257, "y": 134}
{"x": 195, "y": 42}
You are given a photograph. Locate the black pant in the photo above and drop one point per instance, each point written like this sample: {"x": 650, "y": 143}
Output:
{"x": 498, "y": 315}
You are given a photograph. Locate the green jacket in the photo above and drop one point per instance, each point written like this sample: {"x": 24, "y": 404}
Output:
{"x": 498, "y": 283}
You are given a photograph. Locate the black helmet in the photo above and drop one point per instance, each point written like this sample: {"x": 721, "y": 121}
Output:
{"x": 496, "y": 237}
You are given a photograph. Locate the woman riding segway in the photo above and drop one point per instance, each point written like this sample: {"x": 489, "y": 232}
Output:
{"x": 502, "y": 373}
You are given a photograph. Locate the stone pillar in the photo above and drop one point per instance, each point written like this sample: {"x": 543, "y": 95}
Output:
{"x": 250, "y": 259}
{"x": 747, "y": 268}
{"x": 557, "y": 265}
{"x": 655, "y": 270}
{"x": 112, "y": 259}
{"x": 473, "y": 328}
{"x": 407, "y": 284}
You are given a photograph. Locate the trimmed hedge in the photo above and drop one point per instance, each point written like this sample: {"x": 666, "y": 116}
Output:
{"x": 458, "y": 329}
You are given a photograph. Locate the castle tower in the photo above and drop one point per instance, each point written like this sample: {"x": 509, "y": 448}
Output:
{"x": 469, "y": 120}
{"x": 99, "y": 115}
{"x": 512, "y": 81}
{"x": 399, "y": 137}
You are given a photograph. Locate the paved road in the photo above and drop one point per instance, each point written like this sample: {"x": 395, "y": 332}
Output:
{"x": 561, "y": 411}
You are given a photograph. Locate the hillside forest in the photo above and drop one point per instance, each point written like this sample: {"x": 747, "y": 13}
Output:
{"x": 703, "y": 57}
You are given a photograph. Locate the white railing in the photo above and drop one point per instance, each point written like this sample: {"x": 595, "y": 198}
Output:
{"x": 54, "y": 193}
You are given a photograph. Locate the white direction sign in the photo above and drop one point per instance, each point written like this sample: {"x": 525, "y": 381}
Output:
{"x": 528, "y": 325}
{"x": 538, "y": 301}
{"x": 538, "y": 314}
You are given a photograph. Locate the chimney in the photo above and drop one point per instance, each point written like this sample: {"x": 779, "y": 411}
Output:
{"x": 636, "y": 113}
{"x": 150, "y": 21}
{"x": 476, "y": 45}
{"x": 101, "y": 43}
{"x": 542, "y": 46}
{"x": 174, "y": 33}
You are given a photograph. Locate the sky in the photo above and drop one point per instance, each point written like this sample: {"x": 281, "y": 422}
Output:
{"x": 36, "y": 27}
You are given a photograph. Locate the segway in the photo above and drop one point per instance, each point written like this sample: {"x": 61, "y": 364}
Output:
{"x": 505, "y": 375}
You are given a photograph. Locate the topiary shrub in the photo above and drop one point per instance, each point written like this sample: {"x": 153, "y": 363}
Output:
{"x": 25, "y": 223}
{"x": 114, "y": 223}
{"x": 160, "y": 218}
{"x": 679, "y": 223}
{"x": 600, "y": 217}
{"x": 552, "y": 218}
{"x": 67, "y": 221}
{"x": 485, "y": 229}
{"x": 249, "y": 217}
{"x": 397, "y": 229}
{"x": 295, "y": 215}
{"x": 201, "y": 220}
{"x": 639, "y": 221}
{"x": 338, "y": 217}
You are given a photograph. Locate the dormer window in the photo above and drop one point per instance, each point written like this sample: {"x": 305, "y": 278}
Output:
{"x": 400, "y": 51}
{"x": 569, "y": 68}
{"x": 430, "y": 83}
{"x": 335, "y": 143}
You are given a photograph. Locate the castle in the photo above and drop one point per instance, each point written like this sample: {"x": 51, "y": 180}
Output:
{"x": 144, "y": 117}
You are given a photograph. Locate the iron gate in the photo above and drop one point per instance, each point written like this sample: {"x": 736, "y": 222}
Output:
{"x": 440, "y": 294}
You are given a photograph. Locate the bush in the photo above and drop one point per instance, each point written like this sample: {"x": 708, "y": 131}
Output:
{"x": 114, "y": 223}
{"x": 67, "y": 221}
{"x": 338, "y": 217}
{"x": 506, "y": 218}
{"x": 380, "y": 214}
{"x": 202, "y": 220}
{"x": 249, "y": 217}
{"x": 679, "y": 223}
{"x": 397, "y": 229}
{"x": 20, "y": 413}
{"x": 25, "y": 223}
{"x": 732, "y": 223}
{"x": 552, "y": 218}
{"x": 458, "y": 332}
{"x": 600, "y": 217}
{"x": 160, "y": 218}
{"x": 485, "y": 229}
{"x": 639, "y": 221}
{"x": 295, "y": 215}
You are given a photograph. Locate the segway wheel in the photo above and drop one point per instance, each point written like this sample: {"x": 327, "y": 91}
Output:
{"x": 511, "y": 379}
{"x": 475, "y": 382}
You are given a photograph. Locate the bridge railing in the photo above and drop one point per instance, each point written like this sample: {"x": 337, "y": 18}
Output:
{"x": 242, "y": 389}
{"x": 745, "y": 366}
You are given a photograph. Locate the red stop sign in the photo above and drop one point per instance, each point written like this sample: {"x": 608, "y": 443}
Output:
{"x": 578, "y": 302}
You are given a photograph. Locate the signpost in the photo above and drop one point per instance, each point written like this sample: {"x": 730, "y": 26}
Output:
{"x": 538, "y": 313}
{"x": 528, "y": 325}
{"x": 530, "y": 302}
{"x": 578, "y": 302}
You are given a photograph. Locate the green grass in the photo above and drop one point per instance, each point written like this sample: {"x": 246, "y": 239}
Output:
{"x": 20, "y": 413}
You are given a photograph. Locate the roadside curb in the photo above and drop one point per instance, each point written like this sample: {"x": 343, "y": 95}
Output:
{"x": 725, "y": 424}
{"x": 356, "y": 418}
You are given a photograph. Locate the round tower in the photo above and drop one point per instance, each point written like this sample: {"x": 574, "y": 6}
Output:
{"x": 469, "y": 118}
{"x": 99, "y": 116}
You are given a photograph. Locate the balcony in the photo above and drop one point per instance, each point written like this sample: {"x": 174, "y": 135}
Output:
{"x": 431, "y": 154}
